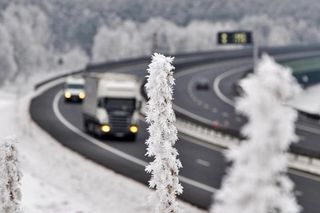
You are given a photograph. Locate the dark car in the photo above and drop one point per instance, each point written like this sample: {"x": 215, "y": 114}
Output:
{"x": 202, "y": 84}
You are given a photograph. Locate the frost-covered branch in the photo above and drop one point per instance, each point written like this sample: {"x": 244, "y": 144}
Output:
{"x": 10, "y": 176}
{"x": 257, "y": 181}
{"x": 163, "y": 135}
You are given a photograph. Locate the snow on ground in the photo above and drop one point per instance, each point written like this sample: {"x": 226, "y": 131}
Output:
{"x": 56, "y": 179}
{"x": 308, "y": 100}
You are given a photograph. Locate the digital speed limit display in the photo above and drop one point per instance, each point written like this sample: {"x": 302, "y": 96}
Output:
{"x": 241, "y": 38}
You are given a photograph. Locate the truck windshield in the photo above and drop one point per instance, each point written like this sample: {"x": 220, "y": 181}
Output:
{"x": 112, "y": 104}
{"x": 74, "y": 86}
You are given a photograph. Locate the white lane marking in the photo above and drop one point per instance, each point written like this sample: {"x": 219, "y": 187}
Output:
{"x": 189, "y": 91}
{"x": 219, "y": 78}
{"x": 227, "y": 100}
{"x": 190, "y": 114}
{"x": 203, "y": 162}
{"x": 116, "y": 151}
{"x": 308, "y": 129}
{"x": 305, "y": 175}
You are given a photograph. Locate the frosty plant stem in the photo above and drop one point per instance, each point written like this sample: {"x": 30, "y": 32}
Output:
{"x": 163, "y": 135}
{"x": 10, "y": 176}
{"x": 257, "y": 181}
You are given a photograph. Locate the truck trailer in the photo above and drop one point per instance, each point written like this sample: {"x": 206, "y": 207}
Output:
{"x": 111, "y": 106}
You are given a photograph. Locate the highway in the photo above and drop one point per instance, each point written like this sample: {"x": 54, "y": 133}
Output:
{"x": 203, "y": 164}
{"x": 217, "y": 104}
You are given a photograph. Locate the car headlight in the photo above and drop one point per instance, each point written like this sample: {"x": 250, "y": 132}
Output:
{"x": 67, "y": 94}
{"x": 82, "y": 95}
{"x": 105, "y": 128}
{"x": 134, "y": 129}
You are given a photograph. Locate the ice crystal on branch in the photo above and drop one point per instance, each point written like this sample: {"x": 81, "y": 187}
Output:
{"x": 257, "y": 181}
{"x": 10, "y": 176}
{"x": 163, "y": 135}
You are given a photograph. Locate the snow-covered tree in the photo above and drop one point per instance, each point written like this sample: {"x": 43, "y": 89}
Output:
{"x": 257, "y": 182}
{"x": 7, "y": 63}
{"x": 73, "y": 59}
{"x": 163, "y": 136}
{"x": 27, "y": 27}
{"x": 123, "y": 41}
{"x": 182, "y": 25}
{"x": 10, "y": 176}
{"x": 129, "y": 39}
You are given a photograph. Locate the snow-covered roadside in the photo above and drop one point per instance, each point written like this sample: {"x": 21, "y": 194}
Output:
{"x": 59, "y": 180}
{"x": 307, "y": 101}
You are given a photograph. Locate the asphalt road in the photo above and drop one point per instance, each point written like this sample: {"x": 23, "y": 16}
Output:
{"x": 216, "y": 104}
{"x": 199, "y": 178}
{"x": 203, "y": 164}
{"x": 307, "y": 129}
{"x": 210, "y": 106}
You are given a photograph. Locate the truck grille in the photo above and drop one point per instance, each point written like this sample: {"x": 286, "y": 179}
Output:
{"x": 119, "y": 123}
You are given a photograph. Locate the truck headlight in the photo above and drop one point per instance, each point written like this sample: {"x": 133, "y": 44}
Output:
{"x": 105, "y": 128}
{"x": 134, "y": 129}
{"x": 67, "y": 94}
{"x": 82, "y": 95}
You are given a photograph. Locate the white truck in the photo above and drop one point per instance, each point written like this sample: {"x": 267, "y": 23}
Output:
{"x": 112, "y": 105}
{"x": 74, "y": 89}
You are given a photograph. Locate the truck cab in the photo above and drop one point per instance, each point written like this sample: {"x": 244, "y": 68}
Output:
{"x": 74, "y": 89}
{"x": 112, "y": 105}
